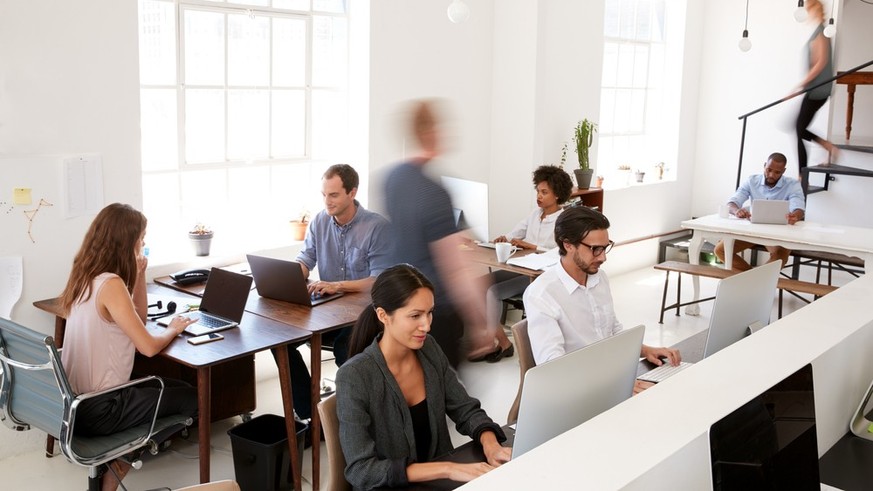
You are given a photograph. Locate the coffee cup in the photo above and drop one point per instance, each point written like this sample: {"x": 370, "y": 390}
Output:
{"x": 724, "y": 211}
{"x": 504, "y": 250}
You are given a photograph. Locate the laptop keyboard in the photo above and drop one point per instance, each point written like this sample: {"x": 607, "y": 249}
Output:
{"x": 663, "y": 372}
{"x": 209, "y": 321}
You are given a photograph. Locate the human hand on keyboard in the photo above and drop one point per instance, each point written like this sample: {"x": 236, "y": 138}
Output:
{"x": 640, "y": 385}
{"x": 318, "y": 289}
{"x": 653, "y": 355}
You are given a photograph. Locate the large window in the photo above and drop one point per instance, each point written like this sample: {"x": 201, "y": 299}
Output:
{"x": 639, "y": 90}
{"x": 243, "y": 106}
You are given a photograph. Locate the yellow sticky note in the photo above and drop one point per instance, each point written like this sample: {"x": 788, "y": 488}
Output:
{"x": 21, "y": 196}
{"x": 870, "y": 428}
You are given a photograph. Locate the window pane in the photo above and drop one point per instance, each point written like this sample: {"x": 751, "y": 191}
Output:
{"x": 627, "y": 24}
{"x": 245, "y": 186}
{"x": 329, "y": 51}
{"x": 611, "y": 19}
{"x": 289, "y": 124}
{"x": 607, "y": 112}
{"x": 625, "y": 65}
{"x": 206, "y": 208}
{"x": 636, "y": 116}
{"x": 622, "y": 122}
{"x": 298, "y": 177}
{"x": 644, "y": 21}
{"x": 291, "y": 4}
{"x": 641, "y": 66}
{"x": 337, "y": 6}
{"x": 259, "y": 3}
{"x": 610, "y": 64}
{"x": 160, "y": 148}
{"x": 248, "y": 127}
{"x": 160, "y": 202}
{"x": 204, "y": 125}
{"x": 157, "y": 43}
{"x": 248, "y": 50}
{"x": 329, "y": 124}
{"x": 660, "y": 14}
{"x": 204, "y": 48}
{"x": 289, "y": 52}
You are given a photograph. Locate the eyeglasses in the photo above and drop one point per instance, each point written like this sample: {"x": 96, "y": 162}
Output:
{"x": 597, "y": 250}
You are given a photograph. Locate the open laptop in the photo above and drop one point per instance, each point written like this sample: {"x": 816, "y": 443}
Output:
{"x": 603, "y": 375}
{"x": 222, "y": 305}
{"x": 743, "y": 303}
{"x": 771, "y": 211}
{"x": 283, "y": 280}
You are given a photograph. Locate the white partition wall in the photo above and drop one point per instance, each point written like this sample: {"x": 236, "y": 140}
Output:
{"x": 659, "y": 439}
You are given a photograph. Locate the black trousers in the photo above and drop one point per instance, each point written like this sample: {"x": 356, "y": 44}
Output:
{"x": 808, "y": 108}
{"x": 111, "y": 413}
{"x": 447, "y": 330}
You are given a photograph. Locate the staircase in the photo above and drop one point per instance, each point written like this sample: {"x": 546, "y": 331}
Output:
{"x": 832, "y": 170}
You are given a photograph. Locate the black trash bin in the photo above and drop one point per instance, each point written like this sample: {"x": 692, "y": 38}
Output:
{"x": 260, "y": 453}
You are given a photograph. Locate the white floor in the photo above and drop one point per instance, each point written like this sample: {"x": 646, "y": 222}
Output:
{"x": 637, "y": 298}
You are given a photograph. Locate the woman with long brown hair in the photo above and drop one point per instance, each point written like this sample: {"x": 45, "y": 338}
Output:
{"x": 106, "y": 305}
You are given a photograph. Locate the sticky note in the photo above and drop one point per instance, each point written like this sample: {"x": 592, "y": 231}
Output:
{"x": 21, "y": 196}
{"x": 870, "y": 428}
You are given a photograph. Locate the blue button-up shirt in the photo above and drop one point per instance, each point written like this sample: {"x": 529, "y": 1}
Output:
{"x": 356, "y": 250}
{"x": 786, "y": 188}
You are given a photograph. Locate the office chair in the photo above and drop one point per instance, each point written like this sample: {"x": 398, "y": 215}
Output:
{"x": 227, "y": 485}
{"x": 335, "y": 458}
{"x": 525, "y": 363}
{"x": 35, "y": 392}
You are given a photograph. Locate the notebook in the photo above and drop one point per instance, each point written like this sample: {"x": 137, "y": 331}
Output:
{"x": 283, "y": 280}
{"x": 603, "y": 375}
{"x": 222, "y": 305}
{"x": 769, "y": 211}
{"x": 743, "y": 303}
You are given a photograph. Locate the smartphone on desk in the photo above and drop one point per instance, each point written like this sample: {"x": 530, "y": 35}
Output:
{"x": 205, "y": 338}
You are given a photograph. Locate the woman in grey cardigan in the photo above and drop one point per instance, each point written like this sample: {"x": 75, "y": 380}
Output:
{"x": 395, "y": 391}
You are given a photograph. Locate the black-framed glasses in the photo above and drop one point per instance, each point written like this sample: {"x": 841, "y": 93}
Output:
{"x": 597, "y": 250}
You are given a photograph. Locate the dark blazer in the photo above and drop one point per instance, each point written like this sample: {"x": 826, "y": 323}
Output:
{"x": 375, "y": 426}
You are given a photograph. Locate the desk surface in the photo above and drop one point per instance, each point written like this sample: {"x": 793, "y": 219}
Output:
{"x": 487, "y": 257}
{"x": 321, "y": 318}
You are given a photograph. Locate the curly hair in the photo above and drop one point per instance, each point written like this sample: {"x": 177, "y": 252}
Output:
{"x": 557, "y": 179}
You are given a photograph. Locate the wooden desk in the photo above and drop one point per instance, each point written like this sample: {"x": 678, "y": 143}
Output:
{"x": 323, "y": 318}
{"x": 809, "y": 236}
{"x": 487, "y": 257}
{"x": 851, "y": 80}
{"x": 255, "y": 334}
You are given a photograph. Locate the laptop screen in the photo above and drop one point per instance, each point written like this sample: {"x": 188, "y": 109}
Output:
{"x": 769, "y": 442}
{"x": 226, "y": 294}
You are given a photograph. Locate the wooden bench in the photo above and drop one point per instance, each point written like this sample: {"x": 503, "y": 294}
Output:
{"x": 848, "y": 264}
{"x": 785, "y": 284}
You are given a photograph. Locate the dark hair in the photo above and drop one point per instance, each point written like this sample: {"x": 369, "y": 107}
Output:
{"x": 347, "y": 174}
{"x": 392, "y": 290}
{"x": 778, "y": 157}
{"x": 574, "y": 224}
{"x": 556, "y": 178}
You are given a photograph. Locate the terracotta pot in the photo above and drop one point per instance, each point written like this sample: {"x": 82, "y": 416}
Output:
{"x": 298, "y": 229}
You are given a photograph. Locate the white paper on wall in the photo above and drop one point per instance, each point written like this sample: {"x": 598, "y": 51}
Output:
{"x": 11, "y": 281}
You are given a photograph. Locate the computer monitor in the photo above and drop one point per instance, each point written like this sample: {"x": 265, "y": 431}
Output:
{"x": 565, "y": 392}
{"x": 472, "y": 198}
{"x": 769, "y": 442}
{"x": 741, "y": 300}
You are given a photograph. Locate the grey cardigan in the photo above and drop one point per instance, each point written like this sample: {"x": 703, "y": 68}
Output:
{"x": 374, "y": 423}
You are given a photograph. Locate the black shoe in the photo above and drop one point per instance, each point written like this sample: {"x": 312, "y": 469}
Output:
{"x": 500, "y": 354}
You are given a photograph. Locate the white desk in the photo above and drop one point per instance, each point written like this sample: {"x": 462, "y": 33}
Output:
{"x": 809, "y": 236}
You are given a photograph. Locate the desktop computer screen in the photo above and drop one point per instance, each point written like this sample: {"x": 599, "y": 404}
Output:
{"x": 769, "y": 442}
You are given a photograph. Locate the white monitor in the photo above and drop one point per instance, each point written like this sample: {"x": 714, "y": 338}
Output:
{"x": 565, "y": 392}
{"x": 470, "y": 200}
{"x": 741, "y": 300}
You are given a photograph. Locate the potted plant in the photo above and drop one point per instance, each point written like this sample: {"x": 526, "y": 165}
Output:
{"x": 640, "y": 175}
{"x": 583, "y": 135}
{"x": 201, "y": 239}
{"x": 299, "y": 226}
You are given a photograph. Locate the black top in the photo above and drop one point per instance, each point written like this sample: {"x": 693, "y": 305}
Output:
{"x": 421, "y": 429}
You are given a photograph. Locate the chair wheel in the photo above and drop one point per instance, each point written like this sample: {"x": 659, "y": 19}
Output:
{"x": 246, "y": 417}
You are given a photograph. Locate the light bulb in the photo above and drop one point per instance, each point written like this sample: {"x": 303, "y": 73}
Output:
{"x": 800, "y": 12}
{"x": 830, "y": 29}
{"x": 458, "y": 12}
{"x": 745, "y": 44}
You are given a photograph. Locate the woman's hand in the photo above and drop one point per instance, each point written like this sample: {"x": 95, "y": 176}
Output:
{"x": 467, "y": 472}
{"x": 522, "y": 244}
{"x": 502, "y": 238}
{"x": 179, "y": 323}
{"x": 497, "y": 455}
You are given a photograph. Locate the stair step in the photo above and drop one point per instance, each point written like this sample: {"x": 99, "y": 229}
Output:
{"x": 864, "y": 147}
{"x": 839, "y": 170}
{"x": 815, "y": 189}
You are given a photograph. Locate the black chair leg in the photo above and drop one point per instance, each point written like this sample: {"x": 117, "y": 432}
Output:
{"x": 664, "y": 298}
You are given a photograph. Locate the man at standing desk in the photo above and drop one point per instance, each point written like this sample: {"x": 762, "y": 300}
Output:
{"x": 772, "y": 184}
{"x": 569, "y": 306}
{"x": 349, "y": 244}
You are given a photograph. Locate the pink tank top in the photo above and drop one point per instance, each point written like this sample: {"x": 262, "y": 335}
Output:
{"x": 97, "y": 354}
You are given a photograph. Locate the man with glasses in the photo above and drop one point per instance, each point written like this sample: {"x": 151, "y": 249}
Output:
{"x": 569, "y": 306}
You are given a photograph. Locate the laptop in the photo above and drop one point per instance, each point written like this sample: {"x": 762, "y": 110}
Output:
{"x": 490, "y": 245}
{"x": 743, "y": 303}
{"x": 222, "y": 305}
{"x": 771, "y": 211}
{"x": 283, "y": 280}
{"x": 603, "y": 375}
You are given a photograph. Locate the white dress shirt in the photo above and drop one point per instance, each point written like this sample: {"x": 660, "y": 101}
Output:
{"x": 536, "y": 231}
{"x": 564, "y": 316}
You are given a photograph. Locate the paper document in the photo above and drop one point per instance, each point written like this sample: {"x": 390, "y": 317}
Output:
{"x": 11, "y": 282}
{"x": 536, "y": 261}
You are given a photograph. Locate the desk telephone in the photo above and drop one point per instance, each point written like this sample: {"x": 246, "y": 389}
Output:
{"x": 190, "y": 276}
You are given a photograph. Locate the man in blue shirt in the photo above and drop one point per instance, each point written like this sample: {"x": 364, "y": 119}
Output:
{"x": 349, "y": 244}
{"x": 774, "y": 185}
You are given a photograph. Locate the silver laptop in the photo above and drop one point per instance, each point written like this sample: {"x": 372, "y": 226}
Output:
{"x": 222, "y": 305}
{"x": 601, "y": 375}
{"x": 283, "y": 280}
{"x": 743, "y": 303}
{"x": 490, "y": 245}
{"x": 772, "y": 211}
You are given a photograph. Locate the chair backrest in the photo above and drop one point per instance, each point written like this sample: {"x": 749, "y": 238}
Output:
{"x": 227, "y": 485}
{"x": 34, "y": 391}
{"x": 335, "y": 458}
{"x": 525, "y": 363}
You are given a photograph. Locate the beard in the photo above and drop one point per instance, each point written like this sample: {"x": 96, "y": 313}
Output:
{"x": 589, "y": 268}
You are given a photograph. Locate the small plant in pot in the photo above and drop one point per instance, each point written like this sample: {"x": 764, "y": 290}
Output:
{"x": 201, "y": 239}
{"x": 583, "y": 136}
{"x": 299, "y": 226}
